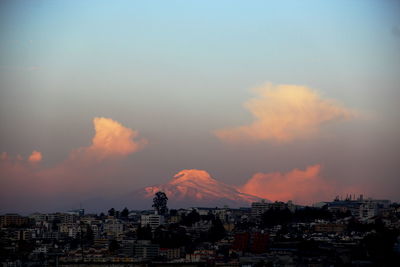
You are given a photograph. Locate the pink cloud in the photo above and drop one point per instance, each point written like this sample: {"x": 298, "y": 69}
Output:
{"x": 35, "y": 157}
{"x": 111, "y": 140}
{"x": 283, "y": 113}
{"x": 301, "y": 186}
{"x": 87, "y": 169}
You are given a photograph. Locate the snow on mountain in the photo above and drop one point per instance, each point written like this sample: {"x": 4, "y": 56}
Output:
{"x": 197, "y": 188}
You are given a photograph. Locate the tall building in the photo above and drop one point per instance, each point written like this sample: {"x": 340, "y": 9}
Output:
{"x": 258, "y": 208}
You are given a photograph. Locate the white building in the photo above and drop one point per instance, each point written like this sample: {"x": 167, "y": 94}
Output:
{"x": 368, "y": 209}
{"x": 154, "y": 220}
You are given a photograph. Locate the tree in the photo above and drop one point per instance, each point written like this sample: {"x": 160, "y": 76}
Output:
{"x": 191, "y": 218}
{"x": 89, "y": 235}
{"x": 144, "y": 233}
{"x": 160, "y": 203}
{"x": 216, "y": 231}
{"x": 54, "y": 225}
{"x": 113, "y": 246}
{"x": 124, "y": 213}
{"x": 111, "y": 212}
{"x": 276, "y": 216}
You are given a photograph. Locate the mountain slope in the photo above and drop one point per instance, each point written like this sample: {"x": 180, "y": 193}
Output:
{"x": 196, "y": 188}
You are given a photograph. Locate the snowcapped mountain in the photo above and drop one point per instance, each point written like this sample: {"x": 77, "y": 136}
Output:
{"x": 196, "y": 188}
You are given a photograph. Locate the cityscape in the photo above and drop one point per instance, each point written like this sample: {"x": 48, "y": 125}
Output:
{"x": 351, "y": 231}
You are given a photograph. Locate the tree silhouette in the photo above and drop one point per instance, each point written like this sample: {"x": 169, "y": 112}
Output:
{"x": 124, "y": 213}
{"x": 276, "y": 216}
{"x": 113, "y": 246}
{"x": 160, "y": 203}
{"x": 216, "y": 231}
{"x": 144, "y": 233}
{"x": 191, "y": 218}
{"x": 111, "y": 212}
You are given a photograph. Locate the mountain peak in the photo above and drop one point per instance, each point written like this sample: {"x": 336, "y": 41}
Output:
{"x": 192, "y": 175}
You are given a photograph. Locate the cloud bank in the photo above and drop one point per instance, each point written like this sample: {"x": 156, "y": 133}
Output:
{"x": 302, "y": 186}
{"x": 283, "y": 113}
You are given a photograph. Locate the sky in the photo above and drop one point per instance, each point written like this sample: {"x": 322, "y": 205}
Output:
{"x": 282, "y": 99}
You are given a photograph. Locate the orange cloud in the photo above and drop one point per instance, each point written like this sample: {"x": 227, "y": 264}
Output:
{"x": 35, "y": 157}
{"x": 111, "y": 139}
{"x": 283, "y": 113}
{"x": 303, "y": 187}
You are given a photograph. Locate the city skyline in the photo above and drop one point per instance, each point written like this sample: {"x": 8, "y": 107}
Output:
{"x": 280, "y": 101}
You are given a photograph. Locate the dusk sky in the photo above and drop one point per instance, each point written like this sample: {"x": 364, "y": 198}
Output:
{"x": 281, "y": 99}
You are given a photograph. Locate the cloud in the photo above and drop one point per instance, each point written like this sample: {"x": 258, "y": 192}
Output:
{"x": 86, "y": 171}
{"x": 301, "y": 186}
{"x": 35, "y": 157}
{"x": 111, "y": 140}
{"x": 283, "y": 113}
{"x": 4, "y": 156}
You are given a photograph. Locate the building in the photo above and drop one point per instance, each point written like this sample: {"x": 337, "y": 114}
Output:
{"x": 13, "y": 219}
{"x": 50, "y": 217}
{"x": 342, "y": 206}
{"x": 258, "y": 208}
{"x": 360, "y": 208}
{"x": 128, "y": 247}
{"x": 329, "y": 228}
{"x": 255, "y": 242}
{"x": 113, "y": 227}
{"x": 241, "y": 241}
{"x": 368, "y": 209}
{"x": 153, "y": 220}
{"x": 259, "y": 242}
{"x": 201, "y": 255}
{"x": 171, "y": 253}
{"x": 77, "y": 212}
{"x": 145, "y": 250}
